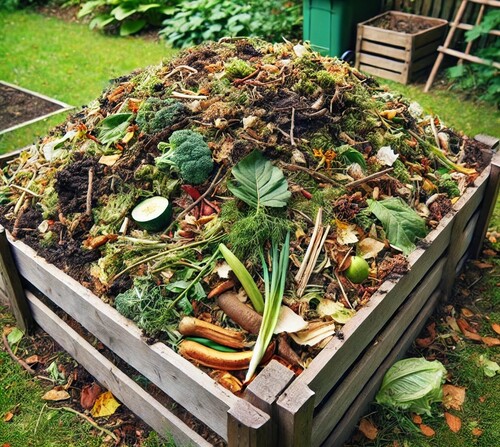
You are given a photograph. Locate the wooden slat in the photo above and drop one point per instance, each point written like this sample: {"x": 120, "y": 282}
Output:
{"x": 426, "y": 7}
{"x": 255, "y": 432}
{"x": 430, "y": 35}
{"x": 112, "y": 378}
{"x": 174, "y": 375}
{"x": 381, "y": 62}
{"x": 11, "y": 287}
{"x": 398, "y": 77}
{"x": 342, "y": 431}
{"x": 338, "y": 403}
{"x": 425, "y": 50}
{"x": 380, "y": 35}
{"x": 436, "y": 7}
{"x": 423, "y": 63}
{"x": 467, "y": 27}
{"x": 385, "y": 50}
{"x": 467, "y": 57}
{"x": 331, "y": 363}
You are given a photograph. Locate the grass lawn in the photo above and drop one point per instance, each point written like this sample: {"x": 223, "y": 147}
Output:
{"x": 70, "y": 63}
{"x": 66, "y": 61}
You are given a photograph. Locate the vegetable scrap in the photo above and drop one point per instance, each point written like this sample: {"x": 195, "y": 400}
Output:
{"x": 241, "y": 202}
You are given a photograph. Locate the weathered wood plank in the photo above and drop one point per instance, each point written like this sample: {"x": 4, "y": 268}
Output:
{"x": 381, "y": 62}
{"x": 248, "y": 429}
{"x": 338, "y": 403}
{"x": 174, "y": 375}
{"x": 488, "y": 205}
{"x": 123, "y": 387}
{"x": 331, "y": 363}
{"x": 426, "y": 7}
{"x": 295, "y": 409}
{"x": 386, "y": 74}
{"x": 430, "y": 35}
{"x": 345, "y": 427}
{"x": 423, "y": 63}
{"x": 11, "y": 286}
{"x": 381, "y": 35}
{"x": 425, "y": 50}
{"x": 385, "y": 50}
{"x": 266, "y": 388}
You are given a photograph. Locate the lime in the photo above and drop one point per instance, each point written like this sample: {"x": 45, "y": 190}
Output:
{"x": 358, "y": 270}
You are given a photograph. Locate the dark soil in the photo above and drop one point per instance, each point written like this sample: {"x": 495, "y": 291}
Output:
{"x": 401, "y": 24}
{"x": 18, "y": 107}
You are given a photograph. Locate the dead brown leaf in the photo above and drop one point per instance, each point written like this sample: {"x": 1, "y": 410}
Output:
{"x": 89, "y": 395}
{"x": 482, "y": 399}
{"x": 454, "y": 422}
{"x": 467, "y": 313}
{"x": 467, "y": 330}
{"x": 368, "y": 429}
{"x": 453, "y": 396}
{"x": 6, "y": 445}
{"x": 496, "y": 327}
{"x": 32, "y": 359}
{"x": 56, "y": 395}
{"x": 8, "y": 416}
{"x": 427, "y": 341}
{"x": 490, "y": 341}
{"x": 427, "y": 431}
{"x": 452, "y": 322}
{"x": 476, "y": 431}
{"x": 489, "y": 252}
{"x": 482, "y": 265}
{"x": 416, "y": 418}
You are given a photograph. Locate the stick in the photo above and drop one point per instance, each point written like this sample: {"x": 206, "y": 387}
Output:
{"x": 292, "y": 127}
{"x": 89, "y": 192}
{"x": 435, "y": 133}
{"x": 369, "y": 178}
{"x": 90, "y": 421}
{"x": 319, "y": 218}
{"x": 343, "y": 291}
{"x": 26, "y": 190}
{"x": 312, "y": 173}
{"x": 17, "y": 359}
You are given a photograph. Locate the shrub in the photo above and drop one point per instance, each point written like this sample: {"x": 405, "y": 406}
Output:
{"x": 126, "y": 16}
{"x": 196, "y": 21}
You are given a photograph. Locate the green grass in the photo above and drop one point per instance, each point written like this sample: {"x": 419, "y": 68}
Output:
{"x": 66, "y": 61}
{"x": 34, "y": 424}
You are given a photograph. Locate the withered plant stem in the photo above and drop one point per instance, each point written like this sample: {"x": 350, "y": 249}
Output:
{"x": 369, "y": 178}
{"x": 88, "y": 210}
{"x": 292, "y": 127}
{"x": 15, "y": 358}
{"x": 312, "y": 173}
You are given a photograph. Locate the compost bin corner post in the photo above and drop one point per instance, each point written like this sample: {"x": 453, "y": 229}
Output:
{"x": 11, "y": 286}
{"x": 248, "y": 426}
{"x": 264, "y": 391}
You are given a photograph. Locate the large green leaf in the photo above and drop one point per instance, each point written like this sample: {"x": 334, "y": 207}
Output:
{"x": 260, "y": 184}
{"x": 402, "y": 224}
{"x": 113, "y": 127}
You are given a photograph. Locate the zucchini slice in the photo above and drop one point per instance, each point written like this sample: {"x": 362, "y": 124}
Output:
{"x": 153, "y": 214}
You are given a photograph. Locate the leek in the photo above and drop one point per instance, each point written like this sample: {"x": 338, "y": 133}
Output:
{"x": 274, "y": 290}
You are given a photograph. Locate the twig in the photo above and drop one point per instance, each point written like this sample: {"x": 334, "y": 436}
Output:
{"x": 17, "y": 359}
{"x": 184, "y": 96}
{"x": 304, "y": 215}
{"x": 181, "y": 67}
{"x": 199, "y": 199}
{"x": 89, "y": 192}
{"x": 312, "y": 173}
{"x": 319, "y": 217}
{"x": 26, "y": 190}
{"x": 38, "y": 420}
{"x": 89, "y": 420}
{"x": 435, "y": 133}
{"x": 369, "y": 178}
{"x": 292, "y": 127}
{"x": 343, "y": 291}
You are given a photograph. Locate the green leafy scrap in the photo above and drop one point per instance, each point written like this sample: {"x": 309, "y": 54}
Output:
{"x": 113, "y": 127}
{"x": 260, "y": 184}
{"x": 402, "y": 225}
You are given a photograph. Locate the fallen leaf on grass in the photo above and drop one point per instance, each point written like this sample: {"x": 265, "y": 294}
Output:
{"x": 490, "y": 368}
{"x": 56, "y": 395}
{"x": 14, "y": 336}
{"x": 490, "y": 341}
{"x": 368, "y": 429}
{"x": 8, "y": 416}
{"x": 427, "y": 431}
{"x": 6, "y": 445}
{"x": 496, "y": 327}
{"x": 467, "y": 312}
{"x": 89, "y": 395}
{"x": 453, "y": 396}
{"x": 416, "y": 418}
{"x": 477, "y": 431}
{"x": 482, "y": 265}
{"x": 427, "y": 341}
{"x": 105, "y": 405}
{"x": 32, "y": 359}
{"x": 467, "y": 330}
{"x": 489, "y": 252}
{"x": 452, "y": 322}
{"x": 454, "y": 422}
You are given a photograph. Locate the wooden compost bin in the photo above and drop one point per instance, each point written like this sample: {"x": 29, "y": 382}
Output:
{"x": 397, "y": 55}
{"x": 319, "y": 407}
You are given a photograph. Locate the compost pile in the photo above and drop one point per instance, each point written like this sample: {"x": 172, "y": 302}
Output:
{"x": 239, "y": 202}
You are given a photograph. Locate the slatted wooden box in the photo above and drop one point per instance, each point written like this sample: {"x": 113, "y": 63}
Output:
{"x": 395, "y": 55}
{"x": 321, "y": 406}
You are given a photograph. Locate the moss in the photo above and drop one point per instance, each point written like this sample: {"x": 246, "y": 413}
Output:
{"x": 326, "y": 80}
{"x": 400, "y": 172}
{"x": 237, "y": 69}
{"x": 49, "y": 203}
{"x": 304, "y": 87}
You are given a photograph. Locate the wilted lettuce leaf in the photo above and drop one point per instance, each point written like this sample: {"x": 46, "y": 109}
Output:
{"x": 413, "y": 384}
{"x": 401, "y": 223}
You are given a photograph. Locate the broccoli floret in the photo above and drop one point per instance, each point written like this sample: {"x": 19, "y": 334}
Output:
{"x": 448, "y": 186}
{"x": 187, "y": 153}
{"x": 156, "y": 114}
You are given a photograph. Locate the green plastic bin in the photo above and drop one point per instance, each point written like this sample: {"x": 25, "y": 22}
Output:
{"x": 330, "y": 25}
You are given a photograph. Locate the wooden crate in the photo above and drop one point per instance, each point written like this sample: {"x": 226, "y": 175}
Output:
{"x": 396, "y": 55}
{"x": 319, "y": 407}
